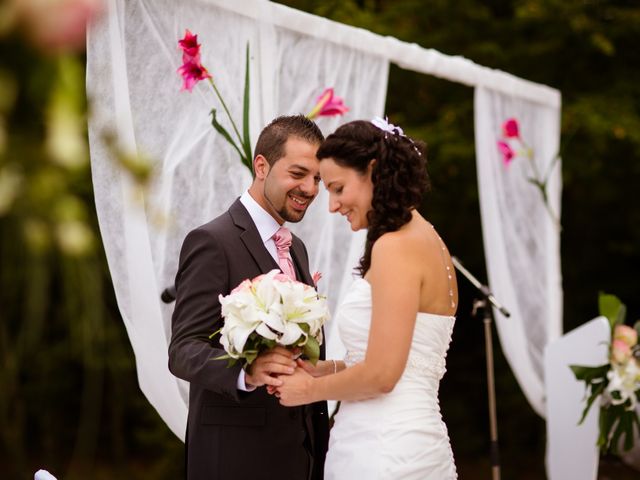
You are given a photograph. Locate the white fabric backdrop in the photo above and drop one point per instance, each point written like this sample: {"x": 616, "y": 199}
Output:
{"x": 134, "y": 88}
{"x": 521, "y": 241}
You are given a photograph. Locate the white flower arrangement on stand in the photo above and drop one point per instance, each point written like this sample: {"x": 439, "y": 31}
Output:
{"x": 616, "y": 384}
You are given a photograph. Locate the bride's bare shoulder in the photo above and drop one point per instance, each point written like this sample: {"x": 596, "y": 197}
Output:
{"x": 398, "y": 245}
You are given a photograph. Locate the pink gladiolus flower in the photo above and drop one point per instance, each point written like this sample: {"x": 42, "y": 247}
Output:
{"x": 620, "y": 351}
{"x": 510, "y": 128}
{"x": 192, "y": 72}
{"x": 316, "y": 278}
{"x": 506, "y": 151}
{"x": 626, "y": 334}
{"x": 327, "y": 105}
{"x": 190, "y": 47}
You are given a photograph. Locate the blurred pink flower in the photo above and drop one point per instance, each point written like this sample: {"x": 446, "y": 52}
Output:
{"x": 506, "y": 151}
{"x": 626, "y": 334}
{"x": 316, "y": 278}
{"x": 510, "y": 128}
{"x": 620, "y": 351}
{"x": 58, "y": 24}
{"x": 192, "y": 72}
{"x": 189, "y": 46}
{"x": 327, "y": 105}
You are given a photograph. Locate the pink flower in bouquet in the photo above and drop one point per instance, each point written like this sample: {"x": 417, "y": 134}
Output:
{"x": 620, "y": 351}
{"x": 189, "y": 46}
{"x": 328, "y": 105}
{"x": 510, "y": 128}
{"x": 244, "y": 286}
{"x": 506, "y": 151}
{"x": 316, "y": 278}
{"x": 192, "y": 72}
{"x": 626, "y": 334}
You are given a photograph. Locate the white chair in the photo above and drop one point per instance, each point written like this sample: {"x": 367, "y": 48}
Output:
{"x": 572, "y": 453}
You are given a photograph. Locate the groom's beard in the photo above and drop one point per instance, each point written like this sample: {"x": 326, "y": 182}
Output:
{"x": 287, "y": 213}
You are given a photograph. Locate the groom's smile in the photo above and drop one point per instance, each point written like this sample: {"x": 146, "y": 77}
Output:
{"x": 298, "y": 201}
{"x": 292, "y": 181}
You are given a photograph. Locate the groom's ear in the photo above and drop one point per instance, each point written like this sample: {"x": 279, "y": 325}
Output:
{"x": 260, "y": 167}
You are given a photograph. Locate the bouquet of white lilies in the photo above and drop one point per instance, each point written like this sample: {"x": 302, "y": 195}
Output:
{"x": 271, "y": 310}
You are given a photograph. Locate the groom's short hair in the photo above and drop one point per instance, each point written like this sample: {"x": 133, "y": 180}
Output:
{"x": 274, "y": 136}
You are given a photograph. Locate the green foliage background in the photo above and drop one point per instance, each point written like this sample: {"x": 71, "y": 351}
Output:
{"x": 69, "y": 399}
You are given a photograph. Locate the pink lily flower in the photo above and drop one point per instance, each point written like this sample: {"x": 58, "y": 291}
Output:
{"x": 192, "y": 72}
{"x": 316, "y": 278}
{"x": 510, "y": 128}
{"x": 506, "y": 151}
{"x": 327, "y": 105}
{"x": 190, "y": 46}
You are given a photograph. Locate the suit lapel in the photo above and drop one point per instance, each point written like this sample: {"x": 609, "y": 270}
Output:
{"x": 251, "y": 238}
{"x": 299, "y": 257}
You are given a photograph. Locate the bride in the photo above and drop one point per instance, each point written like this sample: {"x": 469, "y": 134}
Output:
{"x": 396, "y": 321}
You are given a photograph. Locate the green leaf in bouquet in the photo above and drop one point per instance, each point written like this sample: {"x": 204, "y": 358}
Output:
{"x": 621, "y": 426}
{"x": 627, "y": 424}
{"x": 588, "y": 374}
{"x": 304, "y": 327}
{"x": 269, "y": 344}
{"x": 611, "y": 307}
{"x": 223, "y": 357}
{"x": 606, "y": 422}
{"x": 596, "y": 391}
{"x": 250, "y": 356}
{"x": 232, "y": 361}
{"x": 215, "y": 333}
{"x": 222, "y": 131}
{"x": 312, "y": 350}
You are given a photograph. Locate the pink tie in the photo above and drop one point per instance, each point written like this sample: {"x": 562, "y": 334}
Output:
{"x": 283, "y": 241}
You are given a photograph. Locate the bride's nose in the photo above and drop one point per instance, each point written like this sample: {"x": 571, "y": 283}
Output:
{"x": 334, "y": 205}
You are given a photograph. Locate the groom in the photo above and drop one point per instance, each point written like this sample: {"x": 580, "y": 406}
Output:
{"x": 235, "y": 429}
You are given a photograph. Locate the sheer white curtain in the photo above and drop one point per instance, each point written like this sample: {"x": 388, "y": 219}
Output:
{"x": 134, "y": 91}
{"x": 521, "y": 240}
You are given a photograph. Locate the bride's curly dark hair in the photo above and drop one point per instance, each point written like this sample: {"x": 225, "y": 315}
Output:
{"x": 399, "y": 175}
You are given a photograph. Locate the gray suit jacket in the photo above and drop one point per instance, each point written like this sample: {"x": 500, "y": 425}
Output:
{"x": 233, "y": 434}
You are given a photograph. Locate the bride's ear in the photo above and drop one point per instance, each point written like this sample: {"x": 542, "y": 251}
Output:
{"x": 371, "y": 164}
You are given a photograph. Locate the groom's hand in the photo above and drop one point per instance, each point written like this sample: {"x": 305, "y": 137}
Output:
{"x": 268, "y": 365}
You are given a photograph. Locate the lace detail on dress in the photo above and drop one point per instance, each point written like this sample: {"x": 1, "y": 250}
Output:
{"x": 416, "y": 364}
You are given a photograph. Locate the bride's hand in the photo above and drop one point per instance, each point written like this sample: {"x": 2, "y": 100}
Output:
{"x": 295, "y": 389}
{"x": 321, "y": 368}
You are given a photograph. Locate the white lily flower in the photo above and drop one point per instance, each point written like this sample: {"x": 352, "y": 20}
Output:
{"x": 291, "y": 334}
{"x": 623, "y": 379}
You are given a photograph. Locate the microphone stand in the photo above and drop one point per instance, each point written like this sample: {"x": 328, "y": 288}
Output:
{"x": 483, "y": 303}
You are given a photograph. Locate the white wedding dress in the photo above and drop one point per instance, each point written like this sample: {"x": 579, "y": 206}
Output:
{"x": 399, "y": 435}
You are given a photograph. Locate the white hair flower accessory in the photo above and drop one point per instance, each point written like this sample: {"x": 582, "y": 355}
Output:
{"x": 384, "y": 125}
